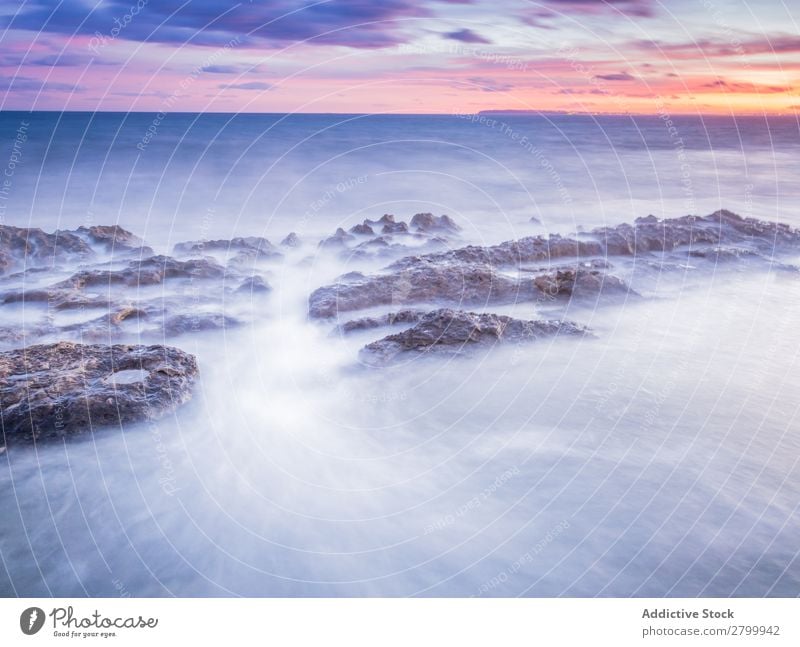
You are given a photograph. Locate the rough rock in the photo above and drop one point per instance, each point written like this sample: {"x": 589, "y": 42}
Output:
{"x": 32, "y": 247}
{"x": 362, "y": 230}
{"x": 580, "y": 282}
{"x": 385, "y": 219}
{"x": 645, "y": 236}
{"x": 291, "y": 240}
{"x": 150, "y": 271}
{"x": 427, "y": 222}
{"x": 450, "y": 331}
{"x": 457, "y": 284}
{"x": 111, "y": 237}
{"x": 249, "y": 248}
{"x": 338, "y": 240}
{"x": 54, "y": 390}
{"x": 395, "y": 228}
{"x": 390, "y": 319}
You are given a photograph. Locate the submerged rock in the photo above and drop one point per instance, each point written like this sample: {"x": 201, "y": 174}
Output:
{"x": 54, "y": 390}
{"x": 450, "y": 331}
{"x": 200, "y": 322}
{"x": 254, "y": 285}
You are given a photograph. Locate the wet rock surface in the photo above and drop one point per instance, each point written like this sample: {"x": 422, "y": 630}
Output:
{"x": 566, "y": 269}
{"x": 33, "y": 247}
{"x": 389, "y": 319}
{"x": 452, "y": 331}
{"x": 468, "y": 284}
{"x": 55, "y": 390}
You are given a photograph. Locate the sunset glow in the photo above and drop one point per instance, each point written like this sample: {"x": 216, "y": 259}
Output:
{"x": 710, "y": 56}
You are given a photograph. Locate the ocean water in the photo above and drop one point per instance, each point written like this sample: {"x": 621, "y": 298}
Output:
{"x": 657, "y": 458}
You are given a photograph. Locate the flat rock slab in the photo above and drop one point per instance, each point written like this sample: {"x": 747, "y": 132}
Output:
{"x": 49, "y": 391}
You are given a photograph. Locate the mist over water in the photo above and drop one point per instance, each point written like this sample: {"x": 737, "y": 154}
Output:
{"x": 657, "y": 457}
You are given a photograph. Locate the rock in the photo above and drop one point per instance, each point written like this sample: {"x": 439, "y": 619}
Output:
{"x": 427, "y": 222}
{"x": 150, "y": 271}
{"x": 291, "y": 240}
{"x": 457, "y": 284}
{"x": 535, "y": 220}
{"x": 450, "y": 331}
{"x": 395, "y": 228}
{"x": 390, "y": 319}
{"x": 111, "y": 237}
{"x": 530, "y": 249}
{"x": 580, "y": 282}
{"x": 338, "y": 240}
{"x": 254, "y": 285}
{"x": 385, "y": 219}
{"x": 33, "y": 247}
{"x": 251, "y": 246}
{"x": 362, "y": 230}
{"x": 646, "y": 235}
{"x": 51, "y": 391}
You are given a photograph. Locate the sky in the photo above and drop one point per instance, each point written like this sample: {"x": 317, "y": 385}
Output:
{"x": 401, "y": 56}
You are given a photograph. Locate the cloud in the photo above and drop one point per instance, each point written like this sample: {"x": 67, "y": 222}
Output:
{"x": 250, "y": 85}
{"x": 734, "y": 86}
{"x": 467, "y": 36}
{"x": 351, "y": 23}
{"x": 619, "y": 76}
{"x": 221, "y": 69}
{"x": 574, "y": 91}
{"x": 28, "y": 84}
{"x": 708, "y": 48}
{"x": 490, "y": 85}
{"x": 639, "y": 8}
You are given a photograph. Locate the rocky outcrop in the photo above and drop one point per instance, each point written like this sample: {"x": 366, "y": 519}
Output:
{"x": 339, "y": 240}
{"x": 451, "y": 331}
{"x": 33, "y": 247}
{"x": 583, "y": 281}
{"x": 113, "y": 238}
{"x": 368, "y": 323}
{"x": 55, "y": 390}
{"x": 70, "y": 293}
{"x": 644, "y": 236}
{"x": 252, "y": 247}
{"x": 427, "y": 222}
{"x": 458, "y": 284}
{"x": 291, "y": 240}
{"x": 362, "y": 230}
{"x": 395, "y": 228}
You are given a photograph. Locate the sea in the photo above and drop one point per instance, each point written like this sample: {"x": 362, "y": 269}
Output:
{"x": 658, "y": 457}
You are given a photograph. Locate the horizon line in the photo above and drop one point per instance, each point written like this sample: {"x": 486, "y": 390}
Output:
{"x": 485, "y": 112}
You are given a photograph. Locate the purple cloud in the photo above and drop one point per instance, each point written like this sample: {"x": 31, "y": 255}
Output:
{"x": 640, "y": 8}
{"x": 619, "y": 76}
{"x": 250, "y": 85}
{"x": 467, "y": 36}
{"x": 351, "y": 23}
